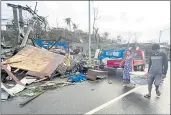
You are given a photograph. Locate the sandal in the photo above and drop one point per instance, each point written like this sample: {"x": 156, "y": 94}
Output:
{"x": 158, "y": 93}
{"x": 147, "y": 96}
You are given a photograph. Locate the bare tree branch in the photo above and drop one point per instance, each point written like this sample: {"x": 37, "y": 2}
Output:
{"x": 95, "y": 18}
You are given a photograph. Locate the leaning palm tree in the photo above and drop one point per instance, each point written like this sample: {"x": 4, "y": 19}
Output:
{"x": 75, "y": 27}
{"x": 68, "y": 22}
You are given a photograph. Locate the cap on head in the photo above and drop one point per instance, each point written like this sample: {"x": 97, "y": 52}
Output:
{"x": 155, "y": 46}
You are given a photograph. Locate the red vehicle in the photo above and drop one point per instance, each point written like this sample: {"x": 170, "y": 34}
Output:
{"x": 138, "y": 61}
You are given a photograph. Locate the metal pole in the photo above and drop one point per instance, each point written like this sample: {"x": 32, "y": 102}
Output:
{"x": 160, "y": 36}
{"x": 161, "y": 33}
{"x": 129, "y": 40}
{"x": 89, "y": 32}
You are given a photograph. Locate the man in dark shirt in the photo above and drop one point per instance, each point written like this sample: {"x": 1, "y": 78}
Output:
{"x": 158, "y": 66}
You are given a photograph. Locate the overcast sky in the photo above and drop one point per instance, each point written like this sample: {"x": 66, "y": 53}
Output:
{"x": 145, "y": 18}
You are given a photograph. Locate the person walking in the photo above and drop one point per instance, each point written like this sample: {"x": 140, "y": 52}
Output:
{"x": 158, "y": 66}
{"x": 128, "y": 67}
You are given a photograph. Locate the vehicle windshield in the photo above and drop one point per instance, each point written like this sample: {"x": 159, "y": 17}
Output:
{"x": 136, "y": 55}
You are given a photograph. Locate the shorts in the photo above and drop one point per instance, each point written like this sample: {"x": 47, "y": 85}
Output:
{"x": 156, "y": 78}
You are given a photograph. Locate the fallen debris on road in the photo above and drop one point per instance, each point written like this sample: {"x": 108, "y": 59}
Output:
{"x": 17, "y": 88}
{"x": 54, "y": 84}
{"x": 77, "y": 78}
{"x": 27, "y": 101}
{"x": 35, "y": 65}
{"x": 4, "y": 95}
{"x": 94, "y": 74}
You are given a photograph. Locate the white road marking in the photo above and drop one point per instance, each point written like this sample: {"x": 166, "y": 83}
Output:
{"x": 112, "y": 101}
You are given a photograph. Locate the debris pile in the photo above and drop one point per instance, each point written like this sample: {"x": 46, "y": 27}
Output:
{"x": 33, "y": 70}
{"x": 30, "y": 62}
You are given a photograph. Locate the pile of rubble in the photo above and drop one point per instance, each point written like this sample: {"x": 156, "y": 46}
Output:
{"x": 36, "y": 68}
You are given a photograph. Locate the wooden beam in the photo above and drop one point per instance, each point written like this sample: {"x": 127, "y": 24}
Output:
{"x": 17, "y": 6}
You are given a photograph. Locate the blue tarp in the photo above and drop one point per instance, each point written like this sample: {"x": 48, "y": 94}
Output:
{"x": 47, "y": 44}
{"x": 112, "y": 54}
{"x": 77, "y": 78}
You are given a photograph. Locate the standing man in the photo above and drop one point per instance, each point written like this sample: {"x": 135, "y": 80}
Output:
{"x": 158, "y": 66}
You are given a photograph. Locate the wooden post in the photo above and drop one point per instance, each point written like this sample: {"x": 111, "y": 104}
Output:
{"x": 16, "y": 24}
{"x": 21, "y": 21}
{"x": 24, "y": 41}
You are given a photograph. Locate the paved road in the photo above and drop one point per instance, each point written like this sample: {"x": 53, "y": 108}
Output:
{"x": 135, "y": 103}
{"x": 84, "y": 97}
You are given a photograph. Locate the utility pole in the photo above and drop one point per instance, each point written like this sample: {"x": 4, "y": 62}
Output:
{"x": 21, "y": 22}
{"x": 57, "y": 23}
{"x": 160, "y": 36}
{"x": 16, "y": 25}
{"x": 129, "y": 40}
{"x": 161, "y": 31}
{"x": 89, "y": 21}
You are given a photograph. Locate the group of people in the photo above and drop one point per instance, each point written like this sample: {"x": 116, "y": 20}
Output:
{"x": 157, "y": 69}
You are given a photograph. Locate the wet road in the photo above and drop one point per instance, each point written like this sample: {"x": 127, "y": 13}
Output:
{"x": 86, "y": 96}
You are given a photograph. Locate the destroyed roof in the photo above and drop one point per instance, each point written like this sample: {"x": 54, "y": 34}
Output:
{"x": 38, "y": 62}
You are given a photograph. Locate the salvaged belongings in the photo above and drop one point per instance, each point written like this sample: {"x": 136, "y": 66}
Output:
{"x": 38, "y": 62}
{"x": 79, "y": 67}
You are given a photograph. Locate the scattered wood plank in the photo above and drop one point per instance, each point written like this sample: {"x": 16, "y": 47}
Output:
{"x": 57, "y": 82}
{"x": 16, "y": 70}
{"x": 29, "y": 100}
{"x": 29, "y": 77}
{"x": 36, "y": 74}
{"x": 11, "y": 62}
{"x": 26, "y": 81}
{"x": 41, "y": 80}
{"x": 11, "y": 74}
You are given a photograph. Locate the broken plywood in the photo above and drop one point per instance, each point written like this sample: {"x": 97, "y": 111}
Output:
{"x": 38, "y": 62}
{"x": 49, "y": 69}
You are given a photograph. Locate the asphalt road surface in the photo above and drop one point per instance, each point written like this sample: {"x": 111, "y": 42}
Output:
{"x": 95, "y": 98}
